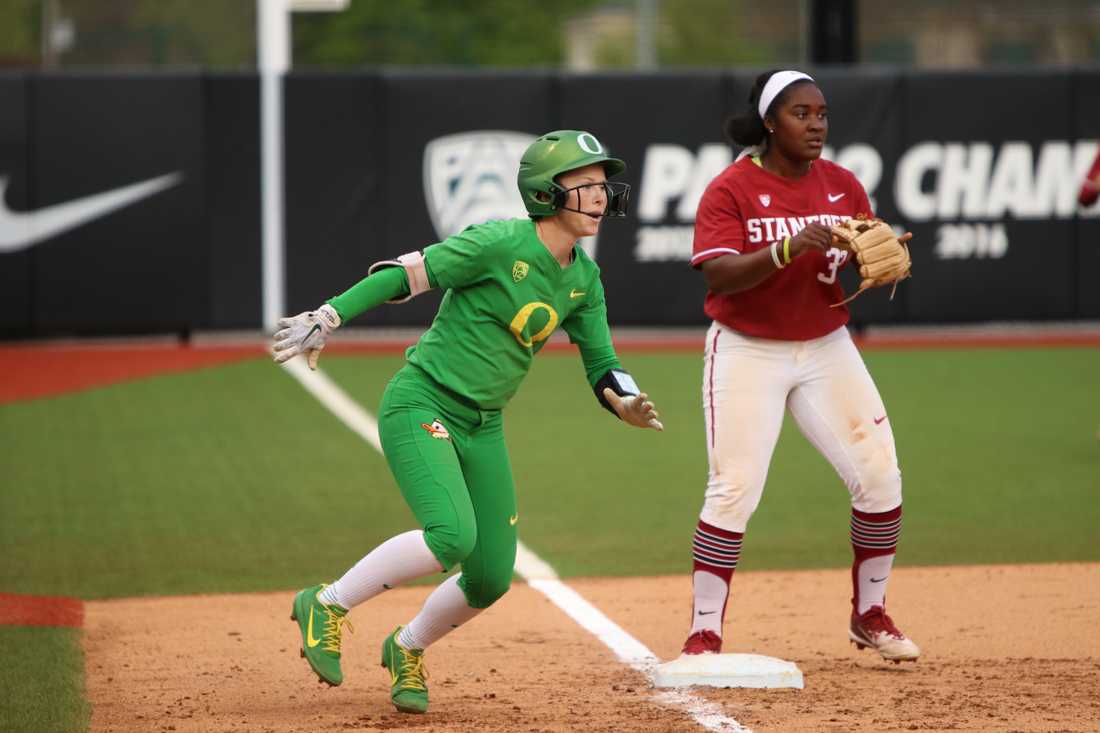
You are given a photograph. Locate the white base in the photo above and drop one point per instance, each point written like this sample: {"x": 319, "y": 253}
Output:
{"x": 728, "y": 670}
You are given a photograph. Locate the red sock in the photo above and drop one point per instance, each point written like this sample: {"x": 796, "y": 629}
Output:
{"x": 874, "y": 544}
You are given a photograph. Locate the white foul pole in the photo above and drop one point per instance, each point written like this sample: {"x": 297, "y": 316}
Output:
{"x": 273, "y": 51}
{"x": 273, "y": 59}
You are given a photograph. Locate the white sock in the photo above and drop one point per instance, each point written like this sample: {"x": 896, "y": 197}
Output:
{"x": 874, "y": 574}
{"x": 710, "y": 601}
{"x": 445, "y": 610}
{"x": 397, "y": 560}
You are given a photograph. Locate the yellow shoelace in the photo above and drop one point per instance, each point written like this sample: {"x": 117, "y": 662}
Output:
{"x": 331, "y": 635}
{"x": 412, "y": 669}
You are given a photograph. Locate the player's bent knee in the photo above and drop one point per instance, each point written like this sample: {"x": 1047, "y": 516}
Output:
{"x": 450, "y": 545}
{"x": 486, "y": 592}
{"x": 880, "y": 492}
{"x": 730, "y": 504}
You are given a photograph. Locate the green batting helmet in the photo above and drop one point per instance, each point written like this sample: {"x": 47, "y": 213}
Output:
{"x": 551, "y": 155}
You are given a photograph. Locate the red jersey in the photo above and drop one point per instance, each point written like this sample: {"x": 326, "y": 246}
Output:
{"x": 746, "y": 208}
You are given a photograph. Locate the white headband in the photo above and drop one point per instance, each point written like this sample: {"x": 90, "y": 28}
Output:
{"x": 779, "y": 81}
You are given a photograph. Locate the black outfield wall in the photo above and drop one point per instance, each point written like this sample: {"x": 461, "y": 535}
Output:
{"x": 131, "y": 203}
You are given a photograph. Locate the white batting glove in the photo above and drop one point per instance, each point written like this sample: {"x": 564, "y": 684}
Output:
{"x": 305, "y": 333}
{"x": 634, "y": 410}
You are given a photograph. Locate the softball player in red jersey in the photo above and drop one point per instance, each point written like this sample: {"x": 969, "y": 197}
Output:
{"x": 763, "y": 244}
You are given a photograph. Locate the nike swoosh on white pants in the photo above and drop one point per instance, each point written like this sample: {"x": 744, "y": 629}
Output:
{"x": 21, "y": 229}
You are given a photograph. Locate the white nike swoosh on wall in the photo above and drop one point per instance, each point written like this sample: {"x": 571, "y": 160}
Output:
{"x": 21, "y": 229}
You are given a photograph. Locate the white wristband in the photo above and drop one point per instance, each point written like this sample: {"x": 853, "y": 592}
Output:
{"x": 330, "y": 316}
{"x": 775, "y": 256}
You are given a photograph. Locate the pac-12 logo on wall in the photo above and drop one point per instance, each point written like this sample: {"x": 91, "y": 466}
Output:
{"x": 470, "y": 178}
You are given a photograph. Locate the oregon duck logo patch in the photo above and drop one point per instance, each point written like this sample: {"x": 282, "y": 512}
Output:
{"x": 519, "y": 270}
{"x": 436, "y": 430}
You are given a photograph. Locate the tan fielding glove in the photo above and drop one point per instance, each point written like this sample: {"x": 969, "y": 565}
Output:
{"x": 883, "y": 257}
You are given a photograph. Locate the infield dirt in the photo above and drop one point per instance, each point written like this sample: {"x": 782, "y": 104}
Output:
{"x": 1006, "y": 648}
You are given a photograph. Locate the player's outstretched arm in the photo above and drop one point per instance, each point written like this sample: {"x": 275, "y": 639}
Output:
{"x": 307, "y": 332}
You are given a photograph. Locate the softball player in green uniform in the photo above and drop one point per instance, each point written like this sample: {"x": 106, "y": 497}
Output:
{"x": 509, "y": 285}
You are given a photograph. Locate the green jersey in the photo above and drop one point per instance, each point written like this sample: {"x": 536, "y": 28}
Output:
{"x": 506, "y": 293}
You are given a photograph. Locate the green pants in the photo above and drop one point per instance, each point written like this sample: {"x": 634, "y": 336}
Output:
{"x": 452, "y": 466}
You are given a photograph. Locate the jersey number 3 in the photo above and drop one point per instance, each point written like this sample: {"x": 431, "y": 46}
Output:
{"x": 836, "y": 259}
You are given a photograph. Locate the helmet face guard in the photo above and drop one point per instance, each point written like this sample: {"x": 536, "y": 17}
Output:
{"x": 556, "y": 153}
{"x": 617, "y": 197}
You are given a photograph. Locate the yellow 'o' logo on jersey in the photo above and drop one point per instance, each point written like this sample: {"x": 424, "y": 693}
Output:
{"x": 520, "y": 322}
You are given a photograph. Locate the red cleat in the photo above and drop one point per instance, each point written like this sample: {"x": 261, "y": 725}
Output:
{"x": 703, "y": 642}
{"x": 876, "y": 630}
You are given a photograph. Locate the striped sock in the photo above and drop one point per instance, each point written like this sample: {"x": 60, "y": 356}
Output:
{"x": 715, "y": 553}
{"x": 874, "y": 544}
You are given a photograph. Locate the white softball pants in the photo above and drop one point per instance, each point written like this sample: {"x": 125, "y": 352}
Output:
{"x": 824, "y": 383}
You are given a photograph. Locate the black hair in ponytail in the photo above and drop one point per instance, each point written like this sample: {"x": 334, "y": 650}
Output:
{"x": 747, "y": 128}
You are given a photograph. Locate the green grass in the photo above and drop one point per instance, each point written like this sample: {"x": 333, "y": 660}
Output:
{"x": 1000, "y": 453}
{"x": 41, "y": 686}
{"x": 218, "y": 480}
{"x": 235, "y": 479}
{"x": 998, "y": 450}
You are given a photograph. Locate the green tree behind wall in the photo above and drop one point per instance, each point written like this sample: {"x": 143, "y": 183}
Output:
{"x": 518, "y": 33}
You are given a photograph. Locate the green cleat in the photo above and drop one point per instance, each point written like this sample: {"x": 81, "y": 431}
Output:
{"x": 407, "y": 675}
{"x": 321, "y": 627}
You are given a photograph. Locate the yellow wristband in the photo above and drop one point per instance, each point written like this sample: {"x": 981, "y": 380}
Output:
{"x": 787, "y": 251}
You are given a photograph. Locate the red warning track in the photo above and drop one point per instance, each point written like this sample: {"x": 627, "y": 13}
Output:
{"x": 32, "y": 372}
{"x": 19, "y": 610}
{"x": 978, "y": 341}
{"x": 692, "y": 342}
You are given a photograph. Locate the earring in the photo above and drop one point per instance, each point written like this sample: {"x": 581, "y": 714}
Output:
{"x": 771, "y": 132}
